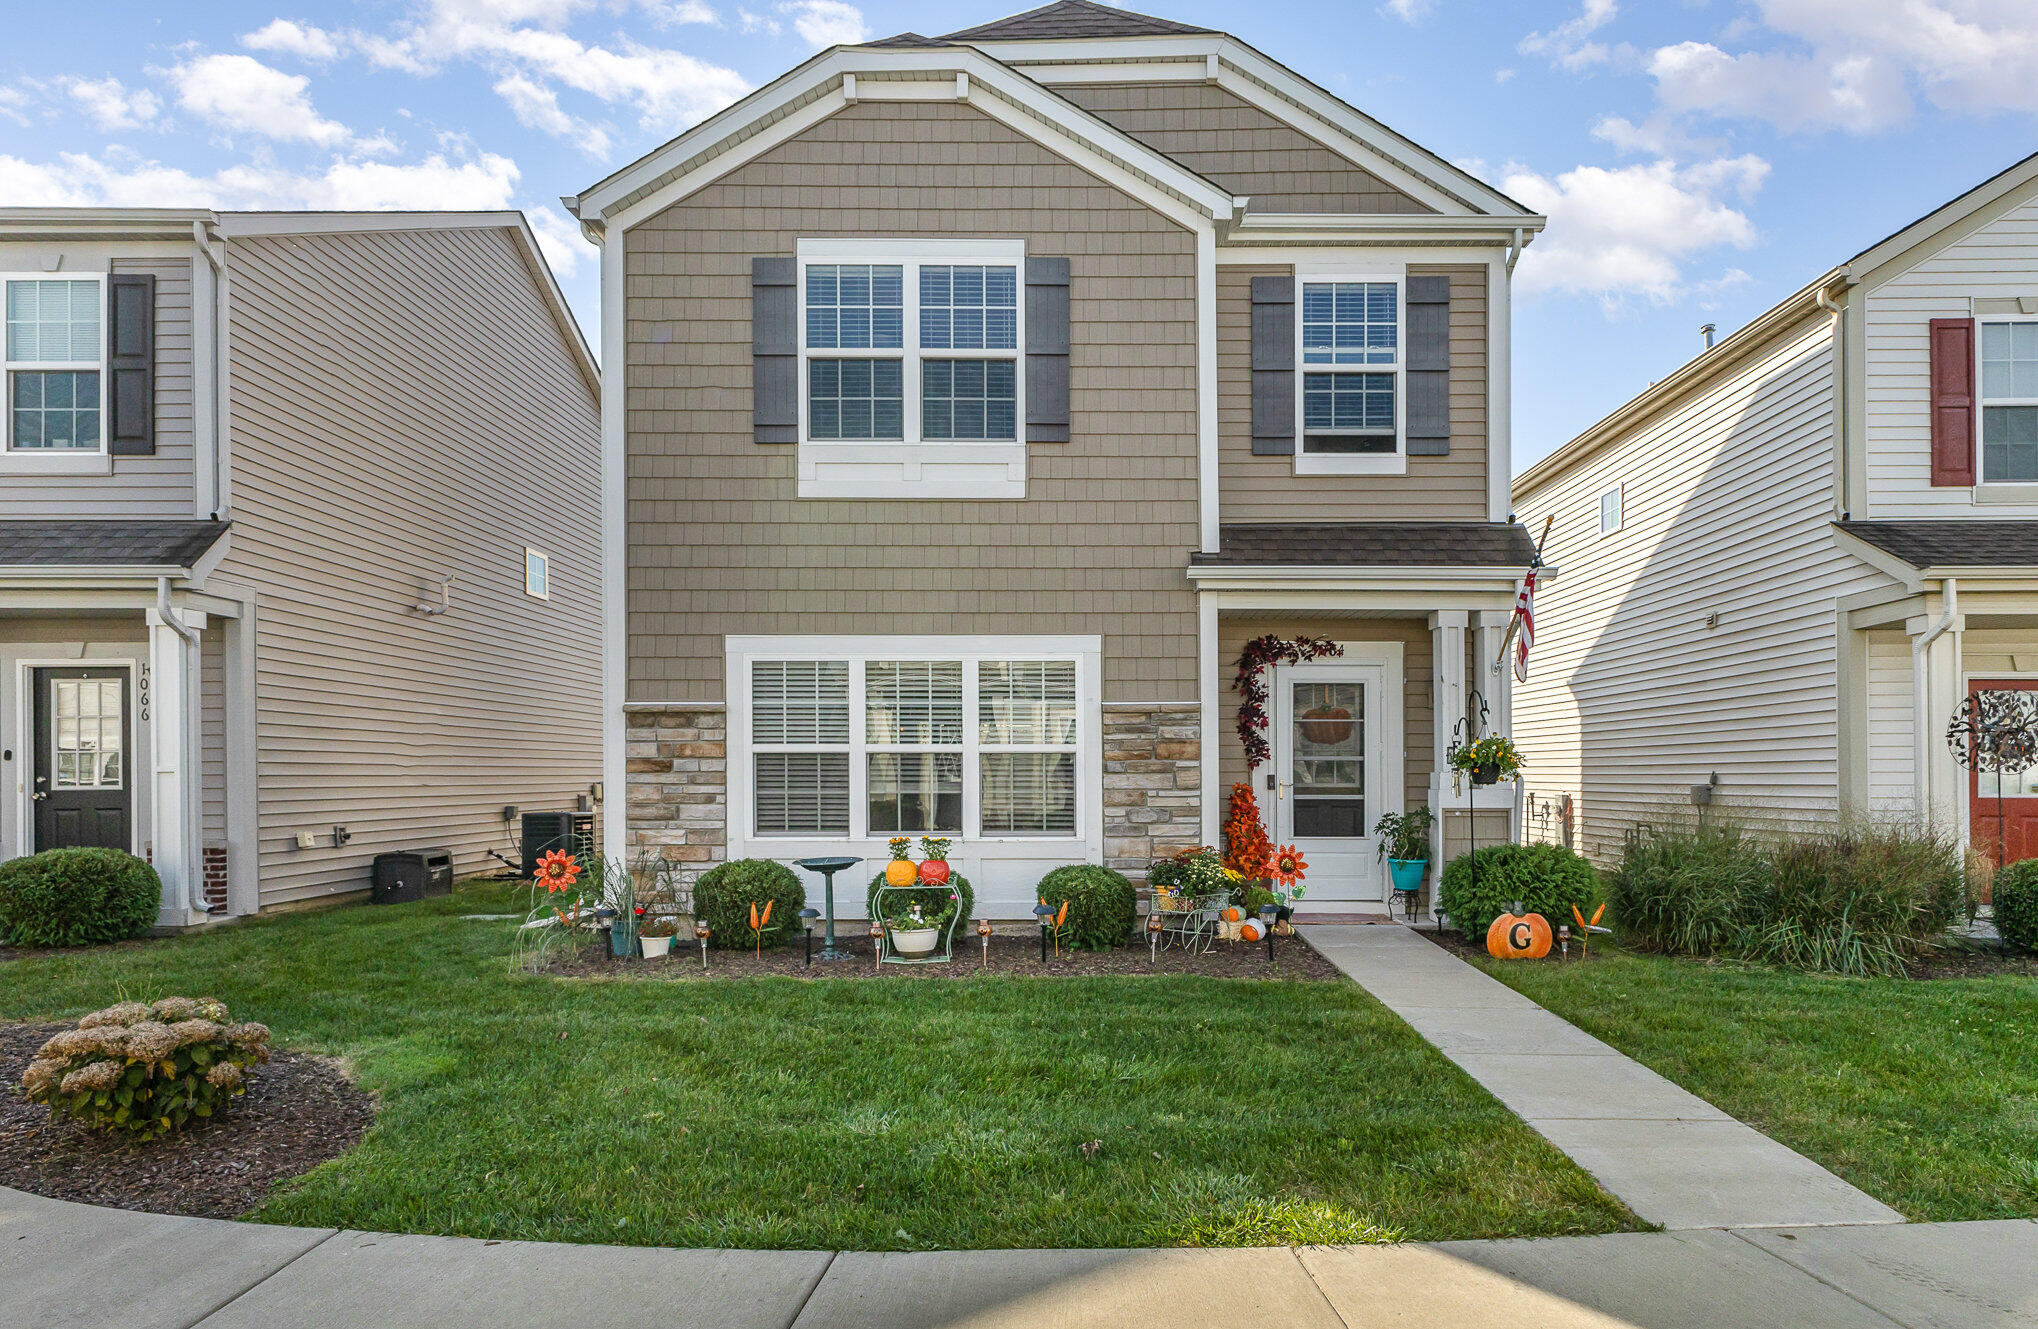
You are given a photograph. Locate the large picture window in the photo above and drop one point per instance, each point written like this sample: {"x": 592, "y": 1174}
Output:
{"x": 965, "y": 745}
{"x": 2009, "y": 402}
{"x": 55, "y": 349}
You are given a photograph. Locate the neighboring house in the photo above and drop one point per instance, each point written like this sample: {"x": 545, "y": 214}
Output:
{"x": 970, "y": 401}
{"x": 247, "y": 459}
{"x": 1786, "y": 563}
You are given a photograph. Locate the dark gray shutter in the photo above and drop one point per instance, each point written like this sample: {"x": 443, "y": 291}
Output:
{"x": 131, "y": 364}
{"x": 1274, "y": 366}
{"x": 1428, "y": 421}
{"x": 1047, "y": 350}
{"x": 775, "y": 350}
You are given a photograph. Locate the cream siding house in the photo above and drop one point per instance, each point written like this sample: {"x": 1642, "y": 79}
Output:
{"x": 970, "y": 401}
{"x": 269, "y": 488}
{"x": 1784, "y": 565}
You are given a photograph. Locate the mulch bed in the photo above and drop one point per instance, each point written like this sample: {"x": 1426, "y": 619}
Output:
{"x": 1956, "y": 961}
{"x": 1012, "y": 955}
{"x": 299, "y": 1111}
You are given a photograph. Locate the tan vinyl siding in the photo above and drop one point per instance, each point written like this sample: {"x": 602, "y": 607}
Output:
{"x": 718, "y": 542}
{"x": 1726, "y": 508}
{"x": 1449, "y": 488}
{"x": 404, "y": 409}
{"x": 154, "y": 486}
{"x": 1417, "y": 715}
{"x": 1892, "y": 746}
{"x": 1232, "y": 143}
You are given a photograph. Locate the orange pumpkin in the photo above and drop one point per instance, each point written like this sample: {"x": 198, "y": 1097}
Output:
{"x": 1518, "y": 936}
{"x": 1233, "y": 915}
{"x": 901, "y": 872}
{"x": 1250, "y": 930}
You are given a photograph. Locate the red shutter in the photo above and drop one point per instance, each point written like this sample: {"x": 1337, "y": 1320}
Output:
{"x": 1952, "y": 401}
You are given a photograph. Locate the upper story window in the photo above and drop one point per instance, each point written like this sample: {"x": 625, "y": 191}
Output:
{"x": 912, "y": 377}
{"x": 2009, "y": 401}
{"x": 55, "y": 358}
{"x": 1609, "y": 511}
{"x": 537, "y": 574}
{"x": 1350, "y": 379}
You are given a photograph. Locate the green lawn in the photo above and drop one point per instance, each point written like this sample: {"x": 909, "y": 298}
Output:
{"x": 1923, "y": 1094}
{"x": 850, "y": 1114}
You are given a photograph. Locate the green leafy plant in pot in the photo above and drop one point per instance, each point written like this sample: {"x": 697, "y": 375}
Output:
{"x": 1404, "y": 843}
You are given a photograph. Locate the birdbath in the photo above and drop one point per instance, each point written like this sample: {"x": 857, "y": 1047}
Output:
{"x": 828, "y": 867}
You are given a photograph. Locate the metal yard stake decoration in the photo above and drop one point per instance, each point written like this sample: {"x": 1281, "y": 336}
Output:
{"x": 1995, "y": 733}
{"x": 877, "y": 945}
{"x": 984, "y": 934}
{"x": 1153, "y": 939}
{"x": 700, "y": 932}
{"x": 1585, "y": 929}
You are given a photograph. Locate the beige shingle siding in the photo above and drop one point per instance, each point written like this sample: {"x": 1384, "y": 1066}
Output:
{"x": 1449, "y": 488}
{"x": 1236, "y": 145}
{"x": 154, "y": 486}
{"x": 403, "y": 408}
{"x": 718, "y": 542}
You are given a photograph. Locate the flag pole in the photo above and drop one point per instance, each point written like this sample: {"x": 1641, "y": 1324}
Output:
{"x": 1514, "y": 619}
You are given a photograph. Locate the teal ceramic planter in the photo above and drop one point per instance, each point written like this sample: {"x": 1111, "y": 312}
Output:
{"x": 1407, "y": 873}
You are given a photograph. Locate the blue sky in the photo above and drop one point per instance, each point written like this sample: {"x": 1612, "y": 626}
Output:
{"x": 1698, "y": 160}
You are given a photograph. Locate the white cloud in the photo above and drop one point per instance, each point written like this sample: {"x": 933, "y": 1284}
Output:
{"x": 483, "y": 183}
{"x": 537, "y": 107}
{"x": 240, "y": 92}
{"x": 1570, "y": 44}
{"x": 1629, "y": 232}
{"x": 1503, "y": 75}
{"x": 564, "y": 246}
{"x": 1409, "y": 11}
{"x": 1858, "y": 93}
{"x": 671, "y": 13}
{"x": 285, "y": 37}
{"x": 14, "y": 104}
{"x": 111, "y": 105}
{"x": 826, "y": 22}
{"x": 764, "y": 23}
{"x": 1655, "y": 136}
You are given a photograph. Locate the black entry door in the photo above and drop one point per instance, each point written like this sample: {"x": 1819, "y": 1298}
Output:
{"x": 84, "y": 784}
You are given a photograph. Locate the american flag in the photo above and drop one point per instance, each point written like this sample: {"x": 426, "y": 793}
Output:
{"x": 1525, "y": 624}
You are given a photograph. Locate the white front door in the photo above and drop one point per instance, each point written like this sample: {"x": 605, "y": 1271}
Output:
{"x": 1336, "y": 752}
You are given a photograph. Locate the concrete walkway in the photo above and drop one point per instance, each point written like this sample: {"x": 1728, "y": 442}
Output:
{"x": 71, "y": 1266}
{"x": 1673, "y": 1157}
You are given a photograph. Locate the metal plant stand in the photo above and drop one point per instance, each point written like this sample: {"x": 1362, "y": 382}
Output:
{"x": 1191, "y": 924}
{"x": 828, "y": 867}
{"x": 889, "y": 954}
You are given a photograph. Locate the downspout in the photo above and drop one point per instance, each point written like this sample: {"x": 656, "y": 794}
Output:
{"x": 1514, "y": 250}
{"x": 201, "y": 234}
{"x": 190, "y": 638}
{"x": 1921, "y": 697}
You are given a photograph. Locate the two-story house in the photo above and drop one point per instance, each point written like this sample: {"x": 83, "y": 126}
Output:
{"x": 969, "y": 402}
{"x": 1787, "y": 563}
{"x": 299, "y": 543}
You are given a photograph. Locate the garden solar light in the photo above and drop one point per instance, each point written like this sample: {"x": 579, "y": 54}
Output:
{"x": 877, "y": 942}
{"x": 1153, "y": 938}
{"x": 1267, "y": 914}
{"x": 1043, "y": 912}
{"x": 807, "y": 917}
{"x": 984, "y": 931}
{"x": 700, "y": 932}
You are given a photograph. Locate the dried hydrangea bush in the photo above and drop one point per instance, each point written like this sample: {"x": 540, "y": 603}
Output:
{"x": 142, "y": 1070}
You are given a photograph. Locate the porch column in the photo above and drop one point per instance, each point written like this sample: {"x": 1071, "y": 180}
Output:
{"x": 1937, "y": 688}
{"x": 1447, "y": 696}
{"x": 1494, "y": 678}
{"x": 174, "y": 790}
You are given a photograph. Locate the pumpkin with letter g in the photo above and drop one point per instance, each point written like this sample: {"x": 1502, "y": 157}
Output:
{"x": 1518, "y": 936}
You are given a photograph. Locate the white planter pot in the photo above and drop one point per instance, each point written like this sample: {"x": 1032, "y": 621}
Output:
{"x": 654, "y": 947}
{"x": 918, "y": 941}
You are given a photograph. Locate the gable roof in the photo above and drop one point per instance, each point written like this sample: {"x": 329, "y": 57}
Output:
{"x": 1074, "y": 18}
{"x": 1906, "y": 246}
{"x": 907, "y": 39}
{"x": 134, "y": 544}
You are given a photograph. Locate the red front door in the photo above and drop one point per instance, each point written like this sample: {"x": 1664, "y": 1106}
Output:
{"x": 2012, "y": 834}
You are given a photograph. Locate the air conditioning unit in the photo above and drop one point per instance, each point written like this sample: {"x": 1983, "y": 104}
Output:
{"x": 572, "y": 832}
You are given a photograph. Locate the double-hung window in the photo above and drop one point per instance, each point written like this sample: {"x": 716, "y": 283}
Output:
{"x": 2009, "y": 401}
{"x": 1351, "y": 363}
{"x": 55, "y": 346}
{"x": 868, "y": 745}
{"x": 912, "y": 376}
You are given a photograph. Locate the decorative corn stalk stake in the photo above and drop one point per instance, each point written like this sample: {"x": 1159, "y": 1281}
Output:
{"x": 758, "y": 923}
{"x": 1061, "y": 917}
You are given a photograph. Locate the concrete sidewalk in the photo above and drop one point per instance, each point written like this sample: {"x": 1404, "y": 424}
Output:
{"x": 1674, "y": 1158}
{"x": 70, "y": 1266}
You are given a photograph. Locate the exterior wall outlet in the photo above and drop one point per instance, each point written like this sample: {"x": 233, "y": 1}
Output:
{"x": 307, "y": 840}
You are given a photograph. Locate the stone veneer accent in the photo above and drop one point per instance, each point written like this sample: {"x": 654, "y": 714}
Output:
{"x": 1153, "y": 780}
{"x": 678, "y": 796}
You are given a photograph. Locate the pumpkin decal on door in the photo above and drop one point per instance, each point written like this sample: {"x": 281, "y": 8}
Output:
{"x": 1518, "y": 936}
{"x": 1326, "y": 726}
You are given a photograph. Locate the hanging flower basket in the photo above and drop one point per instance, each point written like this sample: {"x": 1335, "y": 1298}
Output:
{"x": 1486, "y": 773}
{"x": 1487, "y": 760}
{"x": 1327, "y": 726}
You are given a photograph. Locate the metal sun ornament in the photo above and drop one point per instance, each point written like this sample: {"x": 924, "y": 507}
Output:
{"x": 1995, "y": 733}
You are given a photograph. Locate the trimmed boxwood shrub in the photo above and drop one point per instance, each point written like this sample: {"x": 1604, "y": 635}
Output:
{"x": 931, "y": 899}
{"x": 1101, "y": 905}
{"x": 1544, "y": 879}
{"x": 74, "y": 897}
{"x": 2016, "y": 904}
{"x": 722, "y": 897}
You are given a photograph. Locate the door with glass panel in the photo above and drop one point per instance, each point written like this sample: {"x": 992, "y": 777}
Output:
{"x": 83, "y": 778}
{"x": 1329, "y": 775}
{"x": 2006, "y": 826}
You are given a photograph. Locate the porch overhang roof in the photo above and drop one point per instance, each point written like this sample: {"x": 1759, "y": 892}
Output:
{"x": 1919, "y": 551}
{"x": 37, "y": 550}
{"x": 1414, "y": 547}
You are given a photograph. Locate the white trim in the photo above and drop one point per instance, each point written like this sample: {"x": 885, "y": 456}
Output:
{"x": 1208, "y": 676}
{"x": 1323, "y": 463}
{"x": 57, "y": 461}
{"x": 24, "y": 732}
{"x": 544, "y": 572}
{"x": 1208, "y": 485}
{"x": 1499, "y": 390}
{"x": 1616, "y": 492}
{"x": 1987, "y": 490}
{"x": 614, "y": 551}
{"x": 1377, "y": 665}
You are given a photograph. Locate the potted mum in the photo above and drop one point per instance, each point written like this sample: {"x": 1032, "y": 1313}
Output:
{"x": 914, "y": 933}
{"x": 656, "y": 937}
{"x": 1487, "y": 760}
{"x": 1404, "y": 843}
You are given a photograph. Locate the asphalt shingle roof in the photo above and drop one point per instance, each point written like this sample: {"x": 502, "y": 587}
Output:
{"x": 1397, "y": 544}
{"x": 1952, "y": 543}
{"x": 106, "y": 543}
{"x": 1074, "y": 18}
